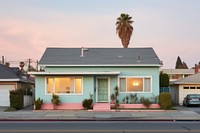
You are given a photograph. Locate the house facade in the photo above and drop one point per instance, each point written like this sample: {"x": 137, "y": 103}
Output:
{"x": 76, "y": 73}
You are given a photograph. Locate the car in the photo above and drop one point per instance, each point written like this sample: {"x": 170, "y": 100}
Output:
{"x": 191, "y": 99}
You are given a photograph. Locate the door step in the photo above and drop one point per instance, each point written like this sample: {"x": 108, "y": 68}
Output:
{"x": 101, "y": 107}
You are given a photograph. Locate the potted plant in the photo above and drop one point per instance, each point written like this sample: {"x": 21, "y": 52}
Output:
{"x": 55, "y": 100}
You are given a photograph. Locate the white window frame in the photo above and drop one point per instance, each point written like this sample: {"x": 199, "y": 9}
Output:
{"x": 63, "y": 77}
{"x": 143, "y": 77}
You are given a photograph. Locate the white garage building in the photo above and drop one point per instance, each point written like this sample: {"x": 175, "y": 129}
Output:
{"x": 184, "y": 86}
{"x": 10, "y": 79}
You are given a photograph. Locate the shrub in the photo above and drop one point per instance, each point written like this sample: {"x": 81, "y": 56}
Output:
{"x": 16, "y": 99}
{"x": 165, "y": 100}
{"x": 55, "y": 100}
{"x": 133, "y": 98}
{"x": 87, "y": 103}
{"x": 145, "y": 101}
{"x": 38, "y": 104}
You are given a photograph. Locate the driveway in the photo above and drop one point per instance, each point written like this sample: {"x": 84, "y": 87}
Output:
{"x": 192, "y": 108}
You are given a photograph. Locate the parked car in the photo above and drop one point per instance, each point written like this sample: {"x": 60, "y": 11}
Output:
{"x": 191, "y": 99}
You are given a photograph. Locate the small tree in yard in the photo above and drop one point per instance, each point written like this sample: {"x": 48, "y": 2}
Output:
{"x": 165, "y": 100}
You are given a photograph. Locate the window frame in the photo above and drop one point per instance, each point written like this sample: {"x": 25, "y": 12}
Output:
{"x": 143, "y": 77}
{"x": 53, "y": 77}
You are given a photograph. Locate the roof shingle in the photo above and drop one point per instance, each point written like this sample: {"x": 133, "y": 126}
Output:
{"x": 99, "y": 56}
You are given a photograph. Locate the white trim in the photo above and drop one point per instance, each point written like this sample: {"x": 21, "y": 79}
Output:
{"x": 108, "y": 88}
{"x": 9, "y": 79}
{"x": 75, "y": 73}
{"x": 103, "y": 65}
{"x": 63, "y": 93}
{"x": 143, "y": 77}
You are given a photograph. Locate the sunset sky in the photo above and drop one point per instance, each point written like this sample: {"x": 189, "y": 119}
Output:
{"x": 171, "y": 27}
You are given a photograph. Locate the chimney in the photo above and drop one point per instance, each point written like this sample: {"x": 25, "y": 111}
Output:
{"x": 196, "y": 69}
{"x": 138, "y": 59}
{"x": 82, "y": 52}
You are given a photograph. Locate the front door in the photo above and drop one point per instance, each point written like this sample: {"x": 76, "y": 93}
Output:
{"x": 102, "y": 89}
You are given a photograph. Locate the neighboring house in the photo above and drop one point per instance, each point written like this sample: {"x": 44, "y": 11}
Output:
{"x": 10, "y": 79}
{"x": 175, "y": 74}
{"x": 188, "y": 85}
{"x": 75, "y": 73}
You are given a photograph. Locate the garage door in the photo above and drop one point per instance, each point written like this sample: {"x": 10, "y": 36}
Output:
{"x": 4, "y": 94}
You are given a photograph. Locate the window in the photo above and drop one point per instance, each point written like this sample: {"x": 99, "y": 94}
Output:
{"x": 68, "y": 85}
{"x": 135, "y": 84}
{"x": 185, "y": 87}
{"x": 192, "y": 87}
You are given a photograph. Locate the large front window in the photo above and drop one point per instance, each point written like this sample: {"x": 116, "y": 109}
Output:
{"x": 134, "y": 84}
{"x": 67, "y": 85}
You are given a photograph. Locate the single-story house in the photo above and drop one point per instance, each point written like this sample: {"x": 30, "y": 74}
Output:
{"x": 11, "y": 78}
{"x": 184, "y": 86}
{"x": 75, "y": 73}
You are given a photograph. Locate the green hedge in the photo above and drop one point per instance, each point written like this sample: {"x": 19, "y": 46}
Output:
{"x": 17, "y": 99}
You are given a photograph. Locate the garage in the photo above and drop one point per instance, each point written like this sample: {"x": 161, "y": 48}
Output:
{"x": 184, "y": 86}
{"x": 4, "y": 94}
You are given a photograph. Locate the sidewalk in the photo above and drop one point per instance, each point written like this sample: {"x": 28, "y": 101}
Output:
{"x": 29, "y": 114}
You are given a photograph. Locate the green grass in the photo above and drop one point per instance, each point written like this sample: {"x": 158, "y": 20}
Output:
{"x": 10, "y": 109}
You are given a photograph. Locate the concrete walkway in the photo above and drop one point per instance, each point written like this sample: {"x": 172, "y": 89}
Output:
{"x": 29, "y": 114}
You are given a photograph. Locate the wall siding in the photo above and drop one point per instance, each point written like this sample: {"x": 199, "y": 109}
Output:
{"x": 89, "y": 83}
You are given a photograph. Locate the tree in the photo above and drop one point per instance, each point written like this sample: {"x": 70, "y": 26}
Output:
{"x": 164, "y": 80}
{"x": 124, "y": 28}
{"x": 185, "y": 65}
{"x": 180, "y": 64}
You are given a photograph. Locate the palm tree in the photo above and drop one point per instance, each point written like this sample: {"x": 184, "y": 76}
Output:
{"x": 124, "y": 28}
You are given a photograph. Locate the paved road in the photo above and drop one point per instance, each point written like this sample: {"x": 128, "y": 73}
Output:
{"x": 99, "y": 127}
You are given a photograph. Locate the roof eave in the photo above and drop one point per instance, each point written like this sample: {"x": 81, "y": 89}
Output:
{"x": 53, "y": 65}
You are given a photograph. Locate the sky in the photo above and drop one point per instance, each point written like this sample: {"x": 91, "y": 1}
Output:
{"x": 28, "y": 27}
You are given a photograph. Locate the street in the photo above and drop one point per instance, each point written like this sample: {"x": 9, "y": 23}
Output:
{"x": 98, "y": 126}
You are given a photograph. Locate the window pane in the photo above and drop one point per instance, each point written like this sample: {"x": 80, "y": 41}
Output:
{"x": 185, "y": 87}
{"x": 134, "y": 84}
{"x": 122, "y": 85}
{"x": 62, "y": 85}
{"x": 72, "y": 85}
{"x": 78, "y": 84}
{"x": 49, "y": 85}
{"x": 147, "y": 85}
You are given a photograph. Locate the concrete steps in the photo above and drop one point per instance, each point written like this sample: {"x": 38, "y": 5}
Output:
{"x": 101, "y": 107}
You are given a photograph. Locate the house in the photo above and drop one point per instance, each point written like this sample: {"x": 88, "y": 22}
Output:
{"x": 75, "y": 73}
{"x": 10, "y": 79}
{"x": 188, "y": 85}
{"x": 176, "y": 74}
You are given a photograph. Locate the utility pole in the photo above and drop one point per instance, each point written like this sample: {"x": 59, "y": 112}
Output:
{"x": 37, "y": 66}
{"x": 29, "y": 64}
{"x": 3, "y": 60}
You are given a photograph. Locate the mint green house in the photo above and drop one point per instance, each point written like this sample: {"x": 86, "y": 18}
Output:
{"x": 75, "y": 73}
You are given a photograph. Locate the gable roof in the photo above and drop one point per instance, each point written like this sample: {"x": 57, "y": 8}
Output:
{"x": 8, "y": 73}
{"x": 12, "y": 74}
{"x": 192, "y": 79}
{"x": 99, "y": 56}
